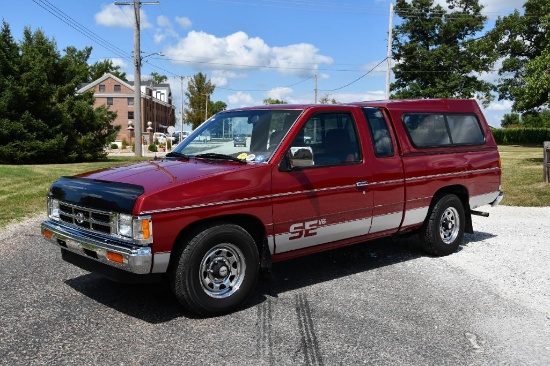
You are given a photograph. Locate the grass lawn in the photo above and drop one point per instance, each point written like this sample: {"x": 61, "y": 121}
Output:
{"x": 23, "y": 188}
{"x": 522, "y": 178}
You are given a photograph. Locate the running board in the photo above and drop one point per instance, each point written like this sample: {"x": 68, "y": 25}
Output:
{"x": 480, "y": 213}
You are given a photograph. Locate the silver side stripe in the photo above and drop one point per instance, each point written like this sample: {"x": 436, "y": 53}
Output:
{"x": 415, "y": 216}
{"x": 324, "y": 234}
{"x": 466, "y": 172}
{"x": 386, "y": 222}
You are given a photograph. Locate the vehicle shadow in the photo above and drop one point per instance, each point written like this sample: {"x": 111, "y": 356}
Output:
{"x": 137, "y": 300}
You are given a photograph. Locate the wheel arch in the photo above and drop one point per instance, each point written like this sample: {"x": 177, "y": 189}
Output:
{"x": 462, "y": 193}
{"x": 251, "y": 224}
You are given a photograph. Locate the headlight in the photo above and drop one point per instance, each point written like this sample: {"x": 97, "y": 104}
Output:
{"x": 139, "y": 229}
{"x": 53, "y": 209}
{"x": 125, "y": 225}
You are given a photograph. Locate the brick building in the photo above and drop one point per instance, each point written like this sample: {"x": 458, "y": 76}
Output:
{"x": 156, "y": 104}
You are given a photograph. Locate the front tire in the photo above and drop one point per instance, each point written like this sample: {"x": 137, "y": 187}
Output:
{"x": 444, "y": 228}
{"x": 216, "y": 270}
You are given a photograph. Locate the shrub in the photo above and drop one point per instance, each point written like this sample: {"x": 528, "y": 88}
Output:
{"x": 114, "y": 146}
{"x": 124, "y": 143}
{"x": 521, "y": 136}
{"x": 169, "y": 144}
{"x": 153, "y": 148}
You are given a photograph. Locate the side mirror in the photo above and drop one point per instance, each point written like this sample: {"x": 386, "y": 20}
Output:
{"x": 296, "y": 157}
{"x": 285, "y": 165}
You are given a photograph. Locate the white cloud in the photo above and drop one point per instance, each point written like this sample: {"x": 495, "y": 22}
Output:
{"x": 120, "y": 16}
{"x": 241, "y": 99}
{"x": 280, "y": 93}
{"x": 501, "y": 105}
{"x": 238, "y": 51}
{"x": 164, "y": 29}
{"x": 184, "y": 22}
{"x": 220, "y": 77}
{"x": 496, "y": 111}
{"x": 119, "y": 62}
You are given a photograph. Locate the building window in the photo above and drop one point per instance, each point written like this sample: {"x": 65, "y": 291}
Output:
{"x": 109, "y": 100}
{"x": 130, "y": 114}
{"x": 102, "y": 87}
{"x": 117, "y": 88}
{"x": 131, "y": 101}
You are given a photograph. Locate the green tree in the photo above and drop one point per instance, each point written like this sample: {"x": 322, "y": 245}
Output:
{"x": 510, "y": 120}
{"x": 103, "y": 67}
{"x": 158, "y": 78}
{"x": 523, "y": 43}
{"x": 217, "y": 106}
{"x": 325, "y": 99}
{"x": 42, "y": 120}
{"x": 436, "y": 52}
{"x": 268, "y": 101}
{"x": 199, "y": 90}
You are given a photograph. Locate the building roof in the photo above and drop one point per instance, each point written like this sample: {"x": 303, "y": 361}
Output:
{"x": 106, "y": 76}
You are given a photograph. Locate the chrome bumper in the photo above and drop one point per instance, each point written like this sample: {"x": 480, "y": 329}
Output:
{"x": 135, "y": 259}
{"x": 497, "y": 200}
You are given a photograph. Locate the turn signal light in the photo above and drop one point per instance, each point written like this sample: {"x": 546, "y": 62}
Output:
{"x": 115, "y": 257}
{"x": 48, "y": 234}
{"x": 145, "y": 229}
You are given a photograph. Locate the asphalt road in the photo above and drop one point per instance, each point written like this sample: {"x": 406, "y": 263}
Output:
{"x": 379, "y": 303}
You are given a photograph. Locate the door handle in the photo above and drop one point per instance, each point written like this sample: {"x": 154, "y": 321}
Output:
{"x": 362, "y": 184}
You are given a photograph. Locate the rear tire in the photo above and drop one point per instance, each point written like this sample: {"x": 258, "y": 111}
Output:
{"x": 216, "y": 270}
{"x": 444, "y": 228}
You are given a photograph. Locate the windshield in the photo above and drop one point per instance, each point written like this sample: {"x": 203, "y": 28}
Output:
{"x": 250, "y": 135}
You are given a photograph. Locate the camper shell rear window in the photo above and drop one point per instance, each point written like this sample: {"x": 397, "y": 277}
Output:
{"x": 432, "y": 130}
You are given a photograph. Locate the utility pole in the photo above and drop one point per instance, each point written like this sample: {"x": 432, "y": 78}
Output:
{"x": 315, "y": 87}
{"x": 388, "y": 58}
{"x": 138, "y": 128}
{"x": 182, "y": 100}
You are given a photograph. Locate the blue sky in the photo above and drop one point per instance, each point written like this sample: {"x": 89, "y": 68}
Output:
{"x": 251, "y": 49}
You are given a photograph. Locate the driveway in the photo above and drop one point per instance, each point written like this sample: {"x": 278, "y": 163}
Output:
{"x": 378, "y": 303}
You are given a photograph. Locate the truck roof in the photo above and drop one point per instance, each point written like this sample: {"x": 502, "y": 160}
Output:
{"x": 411, "y": 105}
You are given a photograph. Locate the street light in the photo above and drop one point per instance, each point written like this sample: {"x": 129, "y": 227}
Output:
{"x": 206, "y": 109}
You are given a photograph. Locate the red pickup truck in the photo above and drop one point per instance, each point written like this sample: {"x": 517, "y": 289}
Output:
{"x": 210, "y": 215}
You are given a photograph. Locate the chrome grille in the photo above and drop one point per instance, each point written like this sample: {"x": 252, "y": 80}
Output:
{"x": 97, "y": 221}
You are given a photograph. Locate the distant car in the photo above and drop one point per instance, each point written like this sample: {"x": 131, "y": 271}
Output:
{"x": 160, "y": 137}
{"x": 179, "y": 136}
{"x": 239, "y": 140}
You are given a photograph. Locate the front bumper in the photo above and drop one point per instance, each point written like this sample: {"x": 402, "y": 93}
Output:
{"x": 135, "y": 259}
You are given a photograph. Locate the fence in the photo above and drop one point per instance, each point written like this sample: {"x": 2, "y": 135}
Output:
{"x": 546, "y": 165}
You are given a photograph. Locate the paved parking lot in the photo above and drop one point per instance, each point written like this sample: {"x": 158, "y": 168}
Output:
{"x": 379, "y": 303}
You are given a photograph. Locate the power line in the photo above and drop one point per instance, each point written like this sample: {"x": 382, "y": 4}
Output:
{"x": 58, "y": 13}
{"x": 356, "y": 80}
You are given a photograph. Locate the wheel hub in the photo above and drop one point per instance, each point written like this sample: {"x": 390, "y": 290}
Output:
{"x": 449, "y": 227}
{"x": 222, "y": 270}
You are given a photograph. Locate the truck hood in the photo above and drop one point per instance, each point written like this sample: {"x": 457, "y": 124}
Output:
{"x": 163, "y": 185}
{"x": 160, "y": 174}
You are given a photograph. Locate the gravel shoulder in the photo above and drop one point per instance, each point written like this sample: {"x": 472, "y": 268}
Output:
{"x": 510, "y": 251}
{"x": 379, "y": 303}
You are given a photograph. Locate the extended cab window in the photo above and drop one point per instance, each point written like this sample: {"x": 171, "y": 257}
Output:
{"x": 381, "y": 138}
{"x": 438, "y": 129}
{"x": 331, "y": 138}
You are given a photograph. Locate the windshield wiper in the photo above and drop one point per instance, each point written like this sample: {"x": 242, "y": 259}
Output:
{"x": 219, "y": 156}
{"x": 174, "y": 154}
